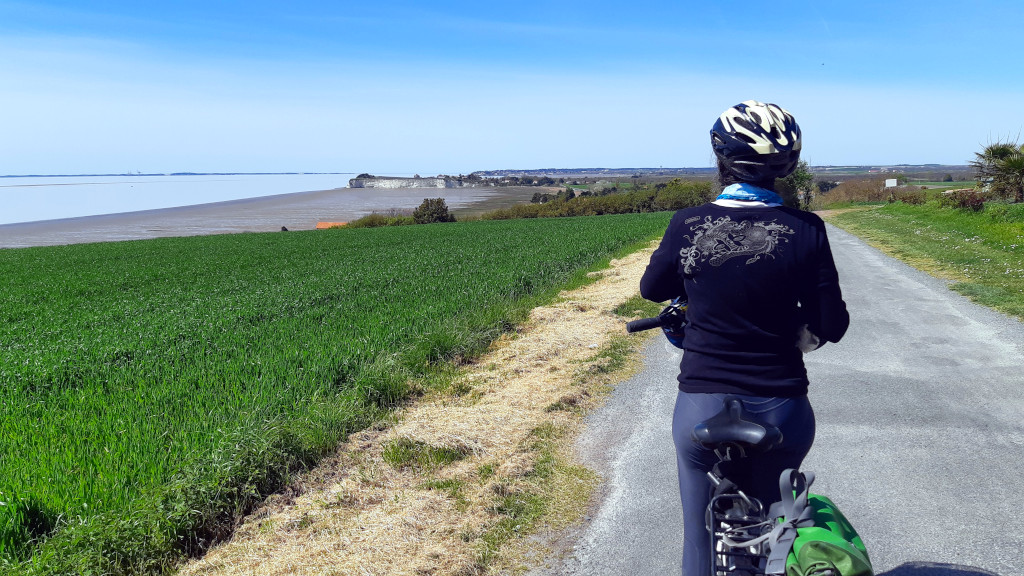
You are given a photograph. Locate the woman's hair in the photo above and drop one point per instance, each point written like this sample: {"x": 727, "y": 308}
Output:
{"x": 726, "y": 178}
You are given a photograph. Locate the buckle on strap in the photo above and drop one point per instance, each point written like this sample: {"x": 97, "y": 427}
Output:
{"x": 794, "y": 486}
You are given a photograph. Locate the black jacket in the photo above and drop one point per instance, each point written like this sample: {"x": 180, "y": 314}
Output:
{"x": 753, "y": 276}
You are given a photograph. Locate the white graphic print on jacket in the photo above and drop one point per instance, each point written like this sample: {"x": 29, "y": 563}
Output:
{"x": 719, "y": 240}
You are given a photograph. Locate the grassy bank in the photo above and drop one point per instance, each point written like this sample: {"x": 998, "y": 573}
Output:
{"x": 152, "y": 391}
{"x": 982, "y": 252}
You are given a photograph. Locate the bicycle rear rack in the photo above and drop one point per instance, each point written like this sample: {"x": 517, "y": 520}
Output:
{"x": 734, "y": 517}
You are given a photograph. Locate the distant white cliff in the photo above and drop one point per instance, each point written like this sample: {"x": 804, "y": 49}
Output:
{"x": 389, "y": 182}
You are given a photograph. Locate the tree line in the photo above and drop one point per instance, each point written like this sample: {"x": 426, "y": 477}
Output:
{"x": 672, "y": 195}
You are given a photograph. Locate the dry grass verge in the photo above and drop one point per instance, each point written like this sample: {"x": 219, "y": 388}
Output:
{"x": 452, "y": 485}
{"x": 829, "y": 213}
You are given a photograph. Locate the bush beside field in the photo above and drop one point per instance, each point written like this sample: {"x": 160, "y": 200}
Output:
{"x": 152, "y": 391}
{"x": 673, "y": 195}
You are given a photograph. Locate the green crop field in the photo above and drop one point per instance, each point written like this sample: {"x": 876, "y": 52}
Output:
{"x": 151, "y": 390}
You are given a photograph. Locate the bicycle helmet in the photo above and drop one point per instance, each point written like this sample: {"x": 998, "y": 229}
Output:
{"x": 756, "y": 142}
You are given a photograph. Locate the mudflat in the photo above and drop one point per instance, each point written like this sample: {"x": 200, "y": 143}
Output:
{"x": 295, "y": 211}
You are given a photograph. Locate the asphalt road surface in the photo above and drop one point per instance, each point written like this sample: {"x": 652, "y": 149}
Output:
{"x": 920, "y": 437}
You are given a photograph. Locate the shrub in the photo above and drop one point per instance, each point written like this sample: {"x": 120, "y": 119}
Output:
{"x": 677, "y": 194}
{"x": 669, "y": 196}
{"x": 965, "y": 199}
{"x": 825, "y": 185}
{"x": 915, "y": 197}
{"x": 612, "y": 204}
{"x": 872, "y": 190}
{"x": 432, "y": 210}
{"x": 795, "y": 188}
{"x": 377, "y": 220}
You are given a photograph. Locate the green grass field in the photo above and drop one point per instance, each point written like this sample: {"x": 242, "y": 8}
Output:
{"x": 151, "y": 391}
{"x": 983, "y": 252}
{"x": 939, "y": 184}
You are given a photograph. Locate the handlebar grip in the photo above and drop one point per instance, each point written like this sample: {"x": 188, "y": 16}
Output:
{"x": 643, "y": 324}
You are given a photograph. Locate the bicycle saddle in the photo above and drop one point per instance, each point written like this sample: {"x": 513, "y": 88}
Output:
{"x": 734, "y": 426}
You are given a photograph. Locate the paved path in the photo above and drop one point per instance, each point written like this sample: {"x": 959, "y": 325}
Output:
{"x": 920, "y": 439}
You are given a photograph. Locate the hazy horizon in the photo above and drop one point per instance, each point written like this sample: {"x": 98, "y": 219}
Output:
{"x": 429, "y": 174}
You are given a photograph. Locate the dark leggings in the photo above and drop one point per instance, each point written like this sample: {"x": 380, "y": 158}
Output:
{"x": 759, "y": 475}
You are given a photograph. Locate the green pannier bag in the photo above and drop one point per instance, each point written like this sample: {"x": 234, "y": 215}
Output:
{"x": 812, "y": 537}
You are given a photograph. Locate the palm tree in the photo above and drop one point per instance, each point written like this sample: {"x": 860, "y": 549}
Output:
{"x": 1002, "y": 163}
{"x": 1011, "y": 172}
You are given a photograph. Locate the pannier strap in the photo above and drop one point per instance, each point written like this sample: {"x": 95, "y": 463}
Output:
{"x": 795, "y": 513}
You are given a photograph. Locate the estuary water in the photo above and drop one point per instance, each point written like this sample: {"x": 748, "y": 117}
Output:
{"x": 28, "y": 199}
{"x": 71, "y": 210}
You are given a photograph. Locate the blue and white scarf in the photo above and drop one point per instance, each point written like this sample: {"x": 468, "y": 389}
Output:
{"x": 749, "y": 192}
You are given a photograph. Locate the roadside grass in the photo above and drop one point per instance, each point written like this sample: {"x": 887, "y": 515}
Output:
{"x": 407, "y": 453}
{"x": 982, "y": 253}
{"x": 453, "y": 488}
{"x": 213, "y": 368}
{"x": 844, "y": 205}
{"x": 613, "y": 357}
{"x": 638, "y": 307}
{"x": 556, "y": 492}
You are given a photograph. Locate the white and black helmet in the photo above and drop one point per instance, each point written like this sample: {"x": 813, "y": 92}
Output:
{"x": 755, "y": 141}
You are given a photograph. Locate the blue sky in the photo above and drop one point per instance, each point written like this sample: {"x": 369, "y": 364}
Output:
{"x": 402, "y": 87}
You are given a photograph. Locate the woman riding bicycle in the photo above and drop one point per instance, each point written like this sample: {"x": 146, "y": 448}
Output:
{"x": 762, "y": 289}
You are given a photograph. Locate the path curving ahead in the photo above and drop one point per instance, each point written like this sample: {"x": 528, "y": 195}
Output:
{"x": 920, "y": 439}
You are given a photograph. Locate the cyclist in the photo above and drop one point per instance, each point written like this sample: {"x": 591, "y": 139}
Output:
{"x": 762, "y": 289}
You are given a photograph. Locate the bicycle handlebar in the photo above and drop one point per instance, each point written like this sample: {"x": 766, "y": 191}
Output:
{"x": 643, "y": 324}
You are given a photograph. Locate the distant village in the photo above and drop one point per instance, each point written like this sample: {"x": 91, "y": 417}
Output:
{"x": 578, "y": 176}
